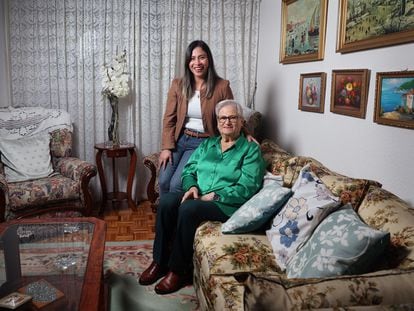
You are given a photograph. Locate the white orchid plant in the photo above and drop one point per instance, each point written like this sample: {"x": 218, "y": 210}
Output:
{"x": 115, "y": 78}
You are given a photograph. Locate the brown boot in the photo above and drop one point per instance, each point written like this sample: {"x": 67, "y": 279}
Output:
{"x": 152, "y": 274}
{"x": 172, "y": 282}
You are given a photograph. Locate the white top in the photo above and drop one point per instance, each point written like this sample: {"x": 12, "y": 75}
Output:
{"x": 193, "y": 120}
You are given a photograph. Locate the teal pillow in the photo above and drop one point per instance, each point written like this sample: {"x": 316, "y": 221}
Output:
{"x": 341, "y": 244}
{"x": 256, "y": 212}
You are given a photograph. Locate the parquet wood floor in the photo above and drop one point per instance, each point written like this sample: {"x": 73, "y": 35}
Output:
{"x": 123, "y": 224}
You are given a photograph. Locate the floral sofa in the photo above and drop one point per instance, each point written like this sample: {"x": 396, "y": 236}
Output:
{"x": 239, "y": 271}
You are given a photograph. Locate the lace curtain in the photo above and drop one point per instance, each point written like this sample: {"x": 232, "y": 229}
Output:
{"x": 58, "y": 48}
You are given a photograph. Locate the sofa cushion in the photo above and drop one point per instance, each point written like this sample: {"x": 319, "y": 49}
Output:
{"x": 26, "y": 158}
{"x": 341, "y": 244}
{"x": 293, "y": 225}
{"x": 350, "y": 190}
{"x": 383, "y": 210}
{"x": 226, "y": 254}
{"x": 260, "y": 208}
{"x": 272, "y": 152}
{"x": 385, "y": 288}
{"x": 41, "y": 192}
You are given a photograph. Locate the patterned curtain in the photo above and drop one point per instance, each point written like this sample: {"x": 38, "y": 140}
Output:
{"x": 58, "y": 48}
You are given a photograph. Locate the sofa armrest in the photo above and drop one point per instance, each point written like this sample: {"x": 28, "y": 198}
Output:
{"x": 151, "y": 162}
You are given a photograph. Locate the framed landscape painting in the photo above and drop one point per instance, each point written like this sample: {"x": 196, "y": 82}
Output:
{"x": 303, "y": 30}
{"x": 312, "y": 92}
{"x": 394, "y": 99}
{"x": 349, "y": 92}
{"x": 372, "y": 24}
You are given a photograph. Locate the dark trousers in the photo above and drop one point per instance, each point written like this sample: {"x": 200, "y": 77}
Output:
{"x": 175, "y": 229}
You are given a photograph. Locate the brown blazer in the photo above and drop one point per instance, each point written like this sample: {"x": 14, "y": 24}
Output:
{"x": 176, "y": 111}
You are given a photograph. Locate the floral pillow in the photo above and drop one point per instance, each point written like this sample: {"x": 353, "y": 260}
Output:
{"x": 256, "y": 212}
{"x": 341, "y": 244}
{"x": 292, "y": 226}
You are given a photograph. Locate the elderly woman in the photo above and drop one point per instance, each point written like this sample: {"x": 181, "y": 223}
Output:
{"x": 221, "y": 175}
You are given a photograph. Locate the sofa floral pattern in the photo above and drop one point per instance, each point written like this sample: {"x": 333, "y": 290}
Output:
{"x": 385, "y": 211}
{"x": 238, "y": 271}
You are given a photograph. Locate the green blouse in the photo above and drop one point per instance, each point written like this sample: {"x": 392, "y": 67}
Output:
{"x": 235, "y": 175}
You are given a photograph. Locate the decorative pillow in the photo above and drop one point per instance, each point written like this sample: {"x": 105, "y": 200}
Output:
{"x": 253, "y": 214}
{"x": 341, "y": 244}
{"x": 26, "y": 158}
{"x": 310, "y": 203}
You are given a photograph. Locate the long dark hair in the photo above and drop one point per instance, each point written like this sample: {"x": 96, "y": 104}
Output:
{"x": 188, "y": 79}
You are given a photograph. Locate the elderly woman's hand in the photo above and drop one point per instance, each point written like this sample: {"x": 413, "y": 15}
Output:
{"x": 208, "y": 197}
{"x": 192, "y": 193}
{"x": 250, "y": 138}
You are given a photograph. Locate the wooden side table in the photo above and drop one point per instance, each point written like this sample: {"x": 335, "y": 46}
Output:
{"x": 114, "y": 152}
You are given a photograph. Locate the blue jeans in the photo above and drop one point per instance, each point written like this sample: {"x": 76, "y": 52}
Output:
{"x": 169, "y": 178}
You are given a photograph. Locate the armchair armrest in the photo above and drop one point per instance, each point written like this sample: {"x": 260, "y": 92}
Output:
{"x": 74, "y": 168}
{"x": 4, "y": 196}
{"x": 151, "y": 162}
{"x": 80, "y": 171}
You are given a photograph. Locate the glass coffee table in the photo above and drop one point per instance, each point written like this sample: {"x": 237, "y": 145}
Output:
{"x": 58, "y": 262}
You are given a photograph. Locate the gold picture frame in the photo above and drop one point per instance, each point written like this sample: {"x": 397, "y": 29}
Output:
{"x": 303, "y": 30}
{"x": 349, "y": 92}
{"x": 394, "y": 99}
{"x": 312, "y": 88}
{"x": 369, "y": 25}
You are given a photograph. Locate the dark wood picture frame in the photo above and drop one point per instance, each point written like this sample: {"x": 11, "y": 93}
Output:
{"x": 370, "y": 25}
{"x": 312, "y": 87}
{"x": 394, "y": 99}
{"x": 349, "y": 92}
{"x": 303, "y": 30}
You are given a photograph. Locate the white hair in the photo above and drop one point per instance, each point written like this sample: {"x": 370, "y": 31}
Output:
{"x": 229, "y": 102}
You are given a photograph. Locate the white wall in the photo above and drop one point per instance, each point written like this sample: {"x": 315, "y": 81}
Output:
{"x": 4, "y": 88}
{"x": 351, "y": 146}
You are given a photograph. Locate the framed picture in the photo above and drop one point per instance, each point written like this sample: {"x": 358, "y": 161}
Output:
{"x": 372, "y": 24}
{"x": 349, "y": 92}
{"x": 303, "y": 30}
{"x": 394, "y": 99}
{"x": 312, "y": 91}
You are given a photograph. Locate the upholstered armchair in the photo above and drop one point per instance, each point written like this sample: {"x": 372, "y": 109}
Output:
{"x": 253, "y": 124}
{"x": 64, "y": 191}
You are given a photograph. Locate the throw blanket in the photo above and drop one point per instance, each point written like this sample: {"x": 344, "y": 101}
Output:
{"x": 16, "y": 123}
